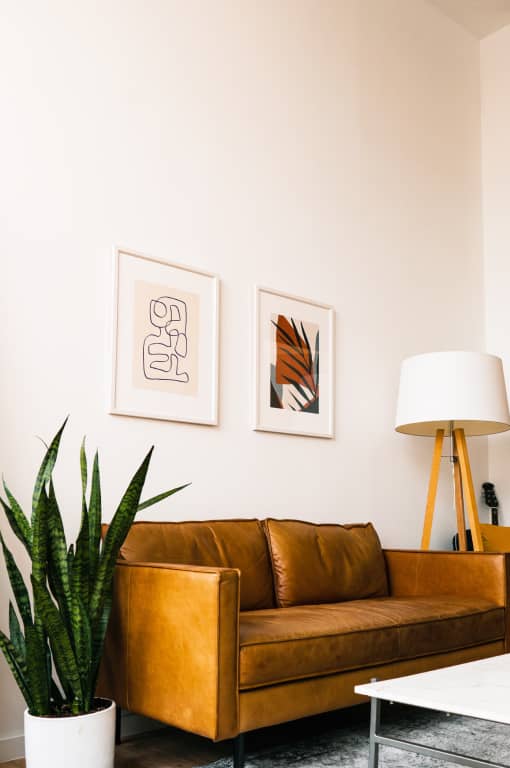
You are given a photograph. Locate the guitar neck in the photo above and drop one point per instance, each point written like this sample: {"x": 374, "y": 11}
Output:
{"x": 494, "y": 516}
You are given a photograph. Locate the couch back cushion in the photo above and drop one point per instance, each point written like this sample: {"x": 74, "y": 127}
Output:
{"x": 227, "y": 543}
{"x": 314, "y": 563}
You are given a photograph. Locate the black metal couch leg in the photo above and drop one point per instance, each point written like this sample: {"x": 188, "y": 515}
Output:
{"x": 239, "y": 751}
{"x": 118, "y": 720}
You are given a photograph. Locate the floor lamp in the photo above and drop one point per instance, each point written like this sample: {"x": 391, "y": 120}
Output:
{"x": 454, "y": 395}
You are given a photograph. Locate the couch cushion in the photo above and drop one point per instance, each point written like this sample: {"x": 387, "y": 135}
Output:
{"x": 323, "y": 563}
{"x": 306, "y": 641}
{"x": 226, "y": 543}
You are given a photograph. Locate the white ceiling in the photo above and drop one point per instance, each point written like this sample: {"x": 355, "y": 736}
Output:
{"x": 480, "y": 17}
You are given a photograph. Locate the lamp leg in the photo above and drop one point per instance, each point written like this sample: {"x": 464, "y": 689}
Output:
{"x": 469, "y": 491}
{"x": 459, "y": 499}
{"x": 431, "y": 497}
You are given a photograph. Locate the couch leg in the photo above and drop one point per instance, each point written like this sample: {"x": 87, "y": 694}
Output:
{"x": 239, "y": 751}
{"x": 118, "y": 720}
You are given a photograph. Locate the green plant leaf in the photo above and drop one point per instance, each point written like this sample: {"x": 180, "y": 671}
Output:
{"x": 80, "y": 573}
{"x": 18, "y": 586}
{"x": 160, "y": 497}
{"x": 114, "y": 538}
{"x": 70, "y": 559}
{"x": 64, "y": 683}
{"x": 17, "y": 637}
{"x": 17, "y": 667}
{"x": 58, "y": 569}
{"x": 17, "y": 520}
{"x": 37, "y": 670}
{"x": 40, "y": 537}
{"x": 49, "y": 668}
{"x": 95, "y": 514}
{"x": 46, "y": 467}
{"x": 98, "y": 637}
{"x": 64, "y": 630}
{"x": 60, "y": 642}
{"x": 83, "y": 469}
{"x": 82, "y": 642}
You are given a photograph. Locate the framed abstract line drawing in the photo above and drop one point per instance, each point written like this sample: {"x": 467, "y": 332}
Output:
{"x": 164, "y": 340}
{"x": 294, "y": 364}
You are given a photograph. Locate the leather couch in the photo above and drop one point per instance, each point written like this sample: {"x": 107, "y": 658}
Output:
{"x": 225, "y": 626}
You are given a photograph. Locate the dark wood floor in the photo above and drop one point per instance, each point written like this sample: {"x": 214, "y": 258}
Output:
{"x": 170, "y": 748}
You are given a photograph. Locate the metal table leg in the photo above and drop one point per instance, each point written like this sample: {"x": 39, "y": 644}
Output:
{"x": 375, "y": 721}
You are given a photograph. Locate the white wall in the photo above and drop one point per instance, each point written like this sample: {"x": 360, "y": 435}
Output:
{"x": 495, "y": 83}
{"x": 327, "y": 148}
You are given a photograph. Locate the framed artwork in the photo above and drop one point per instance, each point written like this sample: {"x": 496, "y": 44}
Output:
{"x": 164, "y": 340}
{"x": 294, "y": 364}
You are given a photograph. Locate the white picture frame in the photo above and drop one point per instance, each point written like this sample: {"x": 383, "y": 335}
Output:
{"x": 300, "y": 343}
{"x": 164, "y": 340}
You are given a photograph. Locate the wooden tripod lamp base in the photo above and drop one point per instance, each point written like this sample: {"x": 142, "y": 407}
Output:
{"x": 464, "y": 491}
{"x": 454, "y": 393}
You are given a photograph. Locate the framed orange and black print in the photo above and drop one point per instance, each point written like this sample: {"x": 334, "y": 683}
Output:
{"x": 294, "y": 364}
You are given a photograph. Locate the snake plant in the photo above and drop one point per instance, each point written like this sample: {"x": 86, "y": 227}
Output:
{"x": 56, "y": 638}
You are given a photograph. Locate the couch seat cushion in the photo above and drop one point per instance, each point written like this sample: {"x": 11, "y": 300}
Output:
{"x": 282, "y": 644}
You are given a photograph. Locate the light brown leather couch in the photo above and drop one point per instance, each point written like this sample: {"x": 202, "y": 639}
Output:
{"x": 222, "y": 627}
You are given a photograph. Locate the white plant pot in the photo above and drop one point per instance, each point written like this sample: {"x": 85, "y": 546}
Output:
{"x": 78, "y": 741}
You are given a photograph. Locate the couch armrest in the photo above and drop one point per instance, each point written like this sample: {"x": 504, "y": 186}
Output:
{"x": 467, "y": 574}
{"x": 172, "y": 647}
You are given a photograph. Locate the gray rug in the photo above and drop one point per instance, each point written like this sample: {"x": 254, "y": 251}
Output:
{"x": 347, "y": 745}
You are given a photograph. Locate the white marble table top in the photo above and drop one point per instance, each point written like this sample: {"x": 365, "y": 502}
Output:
{"x": 476, "y": 689}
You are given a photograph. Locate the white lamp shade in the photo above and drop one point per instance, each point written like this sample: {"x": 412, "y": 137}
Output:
{"x": 466, "y": 389}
